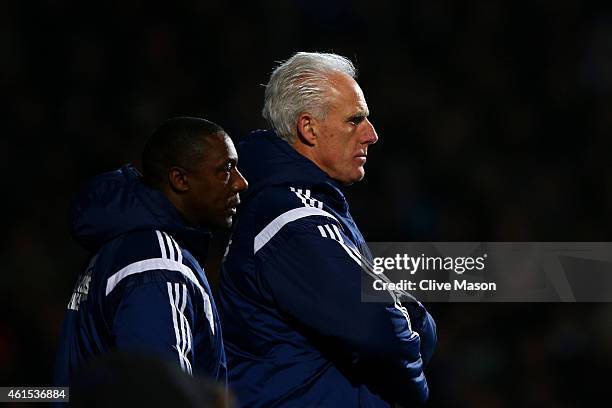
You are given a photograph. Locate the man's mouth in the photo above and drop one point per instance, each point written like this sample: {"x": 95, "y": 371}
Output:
{"x": 361, "y": 157}
{"x": 233, "y": 205}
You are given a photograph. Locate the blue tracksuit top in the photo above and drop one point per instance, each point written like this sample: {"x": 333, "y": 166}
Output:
{"x": 296, "y": 332}
{"x": 144, "y": 289}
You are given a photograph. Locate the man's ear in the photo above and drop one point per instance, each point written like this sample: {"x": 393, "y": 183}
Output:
{"x": 177, "y": 178}
{"x": 307, "y": 128}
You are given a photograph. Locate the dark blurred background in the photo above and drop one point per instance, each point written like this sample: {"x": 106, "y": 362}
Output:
{"x": 495, "y": 124}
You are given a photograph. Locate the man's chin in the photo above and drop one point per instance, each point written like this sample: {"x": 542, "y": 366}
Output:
{"x": 227, "y": 222}
{"x": 354, "y": 178}
{"x": 220, "y": 223}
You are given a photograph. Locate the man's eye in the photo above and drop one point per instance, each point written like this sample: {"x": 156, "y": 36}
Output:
{"x": 357, "y": 120}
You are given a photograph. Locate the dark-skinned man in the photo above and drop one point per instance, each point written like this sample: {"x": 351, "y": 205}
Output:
{"x": 144, "y": 289}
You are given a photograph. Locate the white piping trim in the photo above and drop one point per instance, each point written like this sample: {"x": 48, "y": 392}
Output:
{"x": 366, "y": 265}
{"x": 330, "y": 232}
{"x": 163, "y": 264}
{"x": 306, "y": 198}
{"x": 335, "y": 227}
{"x": 170, "y": 247}
{"x": 150, "y": 265}
{"x": 322, "y": 231}
{"x": 188, "y": 334}
{"x": 348, "y": 251}
{"x": 178, "y": 250}
{"x": 162, "y": 247}
{"x": 175, "y": 323}
{"x": 184, "y": 329}
{"x": 279, "y": 222}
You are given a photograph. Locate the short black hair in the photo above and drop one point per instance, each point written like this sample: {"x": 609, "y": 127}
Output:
{"x": 177, "y": 142}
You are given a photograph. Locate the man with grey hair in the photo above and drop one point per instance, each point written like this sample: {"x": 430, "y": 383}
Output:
{"x": 295, "y": 329}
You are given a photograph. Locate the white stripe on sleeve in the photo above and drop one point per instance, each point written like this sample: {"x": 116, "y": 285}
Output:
{"x": 266, "y": 234}
{"x": 367, "y": 267}
{"x": 188, "y": 334}
{"x": 335, "y": 227}
{"x": 162, "y": 247}
{"x": 184, "y": 327}
{"x": 331, "y": 233}
{"x": 170, "y": 247}
{"x": 162, "y": 264}
{"x": 348, "y": 251}
{"x": 175, "y": 322}
{"x": 178, "y": 250}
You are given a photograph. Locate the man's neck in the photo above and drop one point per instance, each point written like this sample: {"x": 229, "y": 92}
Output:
{"x": 178, "y": 203}
{"x": 306, "y": 151}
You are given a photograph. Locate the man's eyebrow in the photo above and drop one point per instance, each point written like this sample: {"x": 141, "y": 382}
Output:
{"x": 228, "y": 160}
{"x": 365, "y": 112}
{"x": 360, "y": 115}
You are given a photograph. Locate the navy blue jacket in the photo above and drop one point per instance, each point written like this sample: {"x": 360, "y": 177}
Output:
{"x": 296, "y": 331}
{"x": 144, "y": 289}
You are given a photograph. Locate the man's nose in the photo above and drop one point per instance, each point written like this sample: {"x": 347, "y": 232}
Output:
{"x": 369, "y": 133}
{"x": 240, "y": 183}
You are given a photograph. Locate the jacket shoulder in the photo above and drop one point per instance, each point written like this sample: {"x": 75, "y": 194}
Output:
{"x": 141, "y": 257}
{"x": 286, "y": 209}
{"x": 279, "y": 201}
{"x": 136, "y": 246}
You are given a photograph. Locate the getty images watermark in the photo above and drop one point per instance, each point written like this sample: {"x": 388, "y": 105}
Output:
{"x": 411, "y": 265}
{"x": 488, "y": 271}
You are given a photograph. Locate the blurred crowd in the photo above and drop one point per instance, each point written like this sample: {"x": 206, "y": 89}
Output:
{"x": 494, "y": 120}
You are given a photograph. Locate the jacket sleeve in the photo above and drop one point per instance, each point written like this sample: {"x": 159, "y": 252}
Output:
{"x": 156, "y": 317}
{"x": 316, "y": 279}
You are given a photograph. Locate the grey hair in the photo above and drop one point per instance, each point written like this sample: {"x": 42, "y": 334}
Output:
{"x": 300, "y": 85}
